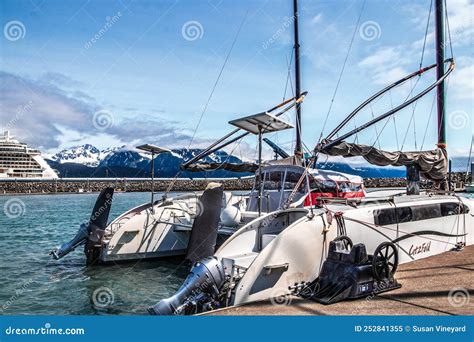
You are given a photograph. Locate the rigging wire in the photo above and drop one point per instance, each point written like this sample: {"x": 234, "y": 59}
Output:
{"x": 426, "y": 34}
{"x": 170, "y": 187}
{"x": 394, "y": 122}
{"x": 412, "y": 117}
{"x": 428, "y": 122}
{"x": 288, "y": 76}
{"x": 342, "y": 70}
{"x": 469, "y": 161}
{"x": 375, "y": 126}
{"x": 218, "y": 78}
{"x": 448, "y": 29}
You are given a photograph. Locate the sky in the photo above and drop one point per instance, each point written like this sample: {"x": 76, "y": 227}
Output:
{"x": 174, "y": 72}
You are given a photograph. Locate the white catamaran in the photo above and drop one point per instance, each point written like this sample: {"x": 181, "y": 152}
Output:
{"x": 285, "y": 248}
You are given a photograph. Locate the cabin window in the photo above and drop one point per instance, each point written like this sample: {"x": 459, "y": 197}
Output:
{"x": 292, "y": 179}
{"x": 404, "y": 214}
{"x": 389, "y": 216}
{"x": 426, "y": 212}
{"x": 272, "y": 180}
{"x": 453, "y": 208}
{"x": 383, "y": 217}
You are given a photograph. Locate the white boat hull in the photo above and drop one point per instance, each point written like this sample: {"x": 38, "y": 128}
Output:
{"x": 296, "y": 252}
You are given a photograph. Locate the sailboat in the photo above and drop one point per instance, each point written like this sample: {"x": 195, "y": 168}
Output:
{"x": 283, "y": 250}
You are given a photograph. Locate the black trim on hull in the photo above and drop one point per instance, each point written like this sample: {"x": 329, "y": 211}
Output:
{"x": 425, "y": 232}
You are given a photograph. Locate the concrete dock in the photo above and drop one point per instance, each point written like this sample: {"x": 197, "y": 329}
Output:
{"x": 439, "y": 285}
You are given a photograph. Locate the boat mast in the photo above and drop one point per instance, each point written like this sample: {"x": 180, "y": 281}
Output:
{"x": 440, "y": 96}
{"x": 298, "y": 147}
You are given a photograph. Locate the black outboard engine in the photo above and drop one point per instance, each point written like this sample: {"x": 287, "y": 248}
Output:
{"x": 199, "y": 292}
{"x": 91, "y": 233}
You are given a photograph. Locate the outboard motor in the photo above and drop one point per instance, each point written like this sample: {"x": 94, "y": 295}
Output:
{"x": 199, "y": 292}
{"x": 92, "y": 232}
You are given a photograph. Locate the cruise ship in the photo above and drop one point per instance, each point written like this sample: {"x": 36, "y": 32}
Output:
{"x": 17, "y": 160}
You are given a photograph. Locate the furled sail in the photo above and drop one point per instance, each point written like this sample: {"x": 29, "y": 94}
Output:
{"x": 433, "y": 164}
{"x": 241, "y": 167}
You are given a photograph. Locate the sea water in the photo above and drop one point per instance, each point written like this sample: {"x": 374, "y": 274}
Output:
{"x": 31, "y": 282}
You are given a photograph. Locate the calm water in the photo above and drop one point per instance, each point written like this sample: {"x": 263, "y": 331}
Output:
{"x": 32, "y": 283}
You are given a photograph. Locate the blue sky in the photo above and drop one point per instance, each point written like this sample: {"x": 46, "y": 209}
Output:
{"x": 68, "y": 65}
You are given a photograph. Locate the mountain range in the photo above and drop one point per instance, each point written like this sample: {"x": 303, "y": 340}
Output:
{"x": 123, "y": 161}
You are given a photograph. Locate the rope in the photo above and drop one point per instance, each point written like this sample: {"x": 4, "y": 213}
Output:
{"x": 342, "y": 70}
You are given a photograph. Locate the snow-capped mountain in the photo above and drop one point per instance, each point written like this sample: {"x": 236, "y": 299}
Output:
{"x": 86, "y": 155}
{"x": 124, "y": 157}
{"x": 126, "y": 161}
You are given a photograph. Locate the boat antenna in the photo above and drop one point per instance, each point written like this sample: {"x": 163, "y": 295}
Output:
{"x": 298, "y": 146}
{"x": 440, "y": 90}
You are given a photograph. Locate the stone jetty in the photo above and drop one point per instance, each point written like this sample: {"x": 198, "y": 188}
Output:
{"x": 65, "y": 185}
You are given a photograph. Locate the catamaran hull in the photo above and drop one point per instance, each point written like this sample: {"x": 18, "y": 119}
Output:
{"x": 295, "y": 255}
{"x": 158, "y": 232}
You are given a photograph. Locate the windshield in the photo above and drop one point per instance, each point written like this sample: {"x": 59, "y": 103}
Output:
{"x": 281, "y": 180}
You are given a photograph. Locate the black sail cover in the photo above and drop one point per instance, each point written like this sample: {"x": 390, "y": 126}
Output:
{"x": 433, "y": 164}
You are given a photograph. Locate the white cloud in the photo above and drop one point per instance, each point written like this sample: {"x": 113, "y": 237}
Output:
{"x": 317, "y": 18}
{"x": 460, "y": 18}
{"x": 462, "y": 82}
{"x": 386, "y": 65}
{"x": 47, "y": 115}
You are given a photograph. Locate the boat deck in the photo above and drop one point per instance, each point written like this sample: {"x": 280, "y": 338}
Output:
{"x": 426, "y": 285}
